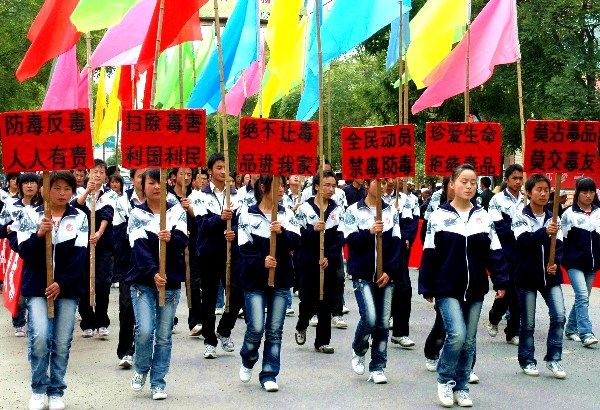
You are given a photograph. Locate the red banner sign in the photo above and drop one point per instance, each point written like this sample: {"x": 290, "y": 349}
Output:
{"x": 378, "y": 152}
{"x": 450, "y": 144}
{"x": 46, "y": 140}
{"x": 562, "y": 146}
{"x": 164, "y": 138}
{"x": 277, "y": 147}
{"x": 11, "y": 266}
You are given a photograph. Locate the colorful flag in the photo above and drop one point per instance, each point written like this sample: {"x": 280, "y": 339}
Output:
{"x": 494, "y": 40}
{"x": 51, "y": 35}
{"x": 393, "y": 50}
{"x": 100, "y": 105}
{"x": 246, "y": 86}
{"x": 437, "y": 25}
{"x": 113, "y": 110}
{"x": 68, "y": 88}
{"x": 90, "y": 15}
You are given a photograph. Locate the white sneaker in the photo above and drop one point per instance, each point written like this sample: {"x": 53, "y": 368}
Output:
{"x": 556, "y": 369}
{"x": 196, "y": 331}
{"x": 574, "y": 337}
{"x": 218, "y": 311}
{"x": 158, "y": 393}
{"x": 403, "y": 341}
{"x": 431, "y": 365}
{"x": 314, "y": 321}
{"x": 226, "y": 343}
{"x": 590, "y": 341}
{"x": 87, "y": 333}
{"x": 210, "y": 352}
{"x": 492, "y": 329}
{"x": 289, "y": 312}
{"x": 513, "y": 341}
{"x": 56, "y": 403}
{"x": 345, "y": 310}
{"x": 270, "y": 386}
{"x": 103, "y": 332}
{"x": 37, "y": 401}
{"x": 137, "y": 381}
{"x": 445, "y": 394}
{"x": 473, "y": 378}
{"x": 461, "y": 397}
{"x": 338, "y": 322}
{"x": 531, "y": 370}
{"x": 377, "y": 377}
{"x": 245, "y": 374}
{"x": 358, "y": 364}
{"x": 126, "y": 362}
{"x": 20, "y": 331}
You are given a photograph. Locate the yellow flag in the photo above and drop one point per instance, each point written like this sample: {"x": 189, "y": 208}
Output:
{"x": 100, "y": 105}
{"x": 111, "y": 115}
{"x": 437, "y": 25}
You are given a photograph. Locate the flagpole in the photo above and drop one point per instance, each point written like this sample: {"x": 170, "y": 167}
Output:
{"x": 400, "y": 69}
{"x": 521, "y": 114}
{"x": 48, "y": 239}
{"x": 225, "y": 153}
{"x": 468, "y": 74}
{"x": 329, "y": 113}
{"x": 260, "y": 62}
{"x": 321, "y": 148}
{"x": 163, "y": 172}
{"x": 405, "y": 97}
{"x": 88, "y": 43}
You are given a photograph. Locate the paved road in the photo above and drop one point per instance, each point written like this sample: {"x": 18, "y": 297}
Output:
{"x": 309, "y": 379}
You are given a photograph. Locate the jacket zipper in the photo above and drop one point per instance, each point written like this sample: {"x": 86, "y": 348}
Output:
{"x": 468, "y": 273}
{"x": 544, "y": 267}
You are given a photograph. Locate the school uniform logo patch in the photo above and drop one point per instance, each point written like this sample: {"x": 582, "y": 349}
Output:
{"x": 69, "y": 227}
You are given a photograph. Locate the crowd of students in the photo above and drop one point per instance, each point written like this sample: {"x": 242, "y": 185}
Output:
{"x": 207, "y": 214}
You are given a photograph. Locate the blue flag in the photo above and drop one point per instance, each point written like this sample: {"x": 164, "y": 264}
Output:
{"x": 393, "y": 46}
{"x": 240, "y": 49}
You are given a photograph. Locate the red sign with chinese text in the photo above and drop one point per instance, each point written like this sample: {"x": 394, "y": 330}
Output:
{"x": 562, "y": 147}
{"x": 378, "y": 152}
{"x": 277, "y": 147}
{"x": 450, "y": 144}
{"x": 46, "y": 140}
{"x": 164, "y": 138}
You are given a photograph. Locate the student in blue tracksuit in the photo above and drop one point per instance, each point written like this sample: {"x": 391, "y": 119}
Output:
{"x": 307, "y": 261}
{"x": 460, "y": 246}
{"x": 153, "y": 323}
{"x": 255, "y": 230}
{"x": 50, "y": 339}
{"x": 581, "y": 231}
{"x": 536, "y": 273}
{"x": 373, "y": 295}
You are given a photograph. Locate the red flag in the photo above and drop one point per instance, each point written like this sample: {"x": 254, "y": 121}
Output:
{"x": 176, "y": 19}
{"x": 51, "y": 34}
{"x": 126, "y": 88}
{"x": 12, "y": 279}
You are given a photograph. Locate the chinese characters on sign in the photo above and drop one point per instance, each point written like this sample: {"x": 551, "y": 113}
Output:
{"x": 562, "y": 146}
{"x": 450, "y": 144}
{"x": 46, "y": 140}
{"x": 164, "y": 138}
{"x": 277, "y": 147}
{"x": 378, "y": 152}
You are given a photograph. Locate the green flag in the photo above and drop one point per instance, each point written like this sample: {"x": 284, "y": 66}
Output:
{"x": 90, "y": 15}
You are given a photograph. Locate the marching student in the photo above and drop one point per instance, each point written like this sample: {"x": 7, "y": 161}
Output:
{"x": 307, "y": 263}
{"x": 503, "y": 208}
{"x": 255, "y": 230}
{"x": 50, "y": 339}
{"x": 153, "y": 324}
{"x": 97, "y": 318}
{"x": 291, "y": 198}
{"x": 373, "y": 295}
{"x": 460, "y": 246}
{"x": 211, "y": 212}
{"x": 580, "y": 228}
{"x": 536, "y": 273}
{"x": 133, "y": 197}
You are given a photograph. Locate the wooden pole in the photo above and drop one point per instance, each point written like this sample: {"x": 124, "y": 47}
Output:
{"x": 321, "y": 148}
{"x": 225, "y": 153}
{"x": 555, "y": 205}
{"x": 400, "y": 74}
{"x": 88, "y": 43}
{"x": 378, "y": 238}
{"x": 163, "y": 172}
{"x": 403, "y": 91}
{"x": 521, "y": 115}
{"x": 273, "y": 238}
{"x": 49, "y": 267}
{"x": 468, "y": 74}
{"x": 329, "y": 113}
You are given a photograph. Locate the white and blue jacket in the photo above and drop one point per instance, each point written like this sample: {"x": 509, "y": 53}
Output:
{"x": 457, "y": 255}
{"x": 339, "y": 196}
{"x": 408, "y": 209}
{"x": 503, "y": 209}
{"x": 105, "y": 210}
{"x": 581, "y": 233}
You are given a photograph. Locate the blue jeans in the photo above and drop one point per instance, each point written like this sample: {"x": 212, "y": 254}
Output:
{"x": 50, "y": 343}
{"x": 579, "y": 318}
{"x": 556, "y": 308}
{"x": 456, "y": 359}
{"x": 153, "y": 327}
{"x": 374, "y": 307}
{"x": 220, "y": 296}
{"x": 256, "y": 301}
{"x": 288, "y": 300}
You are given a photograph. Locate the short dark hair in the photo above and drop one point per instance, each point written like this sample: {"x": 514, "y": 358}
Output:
{"x": 152, "y": 173}
{"x": 63, "y": 176}
{"x": 267, "y": 182}
{"x": 512, "y": 168}
{"x": 217, "y": 156}
{"x": 584, "y": 184}
{"x": 460, "y": 169}
{"x": 118, "y": 178}
{"x": 534, "y": 179}
{"x": 317, "y": 179}
{"x": 132, "y": 172}
{"x": 204, "y": 171}
{"x": 486, "y": 182}
{"x": 101, "y": 163}
{"x": 30, "y": 177}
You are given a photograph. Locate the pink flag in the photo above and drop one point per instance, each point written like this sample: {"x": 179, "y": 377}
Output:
{"x": 246, "y": 86}
{"x": 68, "y": 88}
{"x": 494, "y": 40}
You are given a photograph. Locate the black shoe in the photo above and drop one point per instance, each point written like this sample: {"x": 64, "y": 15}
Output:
{"x": 325, "y": 349}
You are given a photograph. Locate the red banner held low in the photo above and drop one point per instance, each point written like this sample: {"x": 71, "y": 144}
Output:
{"x": 46, "y": 140}
{"x": 562, "y": 147}
{"x": 164, "y": 138}
{"x": 450, "y": 144}
{"x": 378, "y": 152}
{"x": 277, "y": 147}
{"x": 12, "y": 267}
